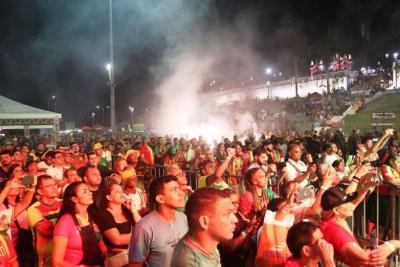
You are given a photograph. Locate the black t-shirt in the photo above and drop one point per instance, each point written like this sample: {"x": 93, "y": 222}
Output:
{"x": 4, "y": 176}
{"x": 94, "y": 209}
{"x": 237, "y": 257}
{"x": 107, "y": 222}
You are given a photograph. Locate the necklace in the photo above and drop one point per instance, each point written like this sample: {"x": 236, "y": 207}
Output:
{"x": 191, "y": 241}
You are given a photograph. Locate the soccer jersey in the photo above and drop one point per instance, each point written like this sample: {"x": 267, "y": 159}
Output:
{"x": 40, "y": 213}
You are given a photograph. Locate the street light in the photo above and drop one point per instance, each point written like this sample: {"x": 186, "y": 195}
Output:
{"x": 53, "y": 97}
{"x": 102, "y": 112}
{"x": 93, "y": 114}
{"x": 363, "y": 71}
{"x": 131, "y": 109}
{"x": 268, "y": 71}
{"x": 110, "y": 69}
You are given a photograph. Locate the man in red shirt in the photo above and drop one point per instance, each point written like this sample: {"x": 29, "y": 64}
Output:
{"x": 306, "y": 243}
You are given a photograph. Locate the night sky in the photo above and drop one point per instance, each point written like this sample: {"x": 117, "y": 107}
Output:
{"x": 60, "y": 47}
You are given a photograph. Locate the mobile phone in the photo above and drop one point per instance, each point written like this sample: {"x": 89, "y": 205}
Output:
{"x": 378, "y": 179}
{"x": 305, "y": 193}
{"x": 27, "y": 180}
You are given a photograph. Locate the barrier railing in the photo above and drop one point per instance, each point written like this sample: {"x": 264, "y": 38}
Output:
{"x": 191, "y": 175}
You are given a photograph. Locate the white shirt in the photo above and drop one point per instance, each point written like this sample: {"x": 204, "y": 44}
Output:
{"x": 136, "y": 199}
{"x": 329, "y": 159}
{"x": 295, "y": 169}
{"x": 55, "y": 172}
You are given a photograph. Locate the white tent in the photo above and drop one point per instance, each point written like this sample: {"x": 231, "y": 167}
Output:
{"x": 15, "y": 115}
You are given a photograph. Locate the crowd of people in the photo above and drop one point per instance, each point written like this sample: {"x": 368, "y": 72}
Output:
{"x": 282, "y": 199}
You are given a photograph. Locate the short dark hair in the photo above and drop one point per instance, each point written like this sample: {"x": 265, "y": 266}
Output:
{"x": 300, "y": 235}
{"x": 5, "y": 152}
{"x": 204, "y": 163}
{"x": 91, "y": 153}
{"x": 68, "y": 170}
{"x": 157, "y": 186}
{"x": 258, "y": 151}
{"x": 53, "y": 155}
{"x": 201, "y": 202}
{"x": 87, "y": 169}
{"x": 274, "y": 204}
{"x": 41, "y": 178}
{"x": 336, "y": 163}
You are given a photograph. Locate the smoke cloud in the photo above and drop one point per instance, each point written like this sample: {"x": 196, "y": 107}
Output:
{"x": 184, "y": 105}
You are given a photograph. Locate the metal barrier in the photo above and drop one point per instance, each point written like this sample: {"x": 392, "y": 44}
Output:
{"x": 394, "y": 228}
{"x": 191, "y": 175}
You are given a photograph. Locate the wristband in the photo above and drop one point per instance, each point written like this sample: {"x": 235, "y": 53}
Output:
{"x": 31, "y": 190}
{"x": 390, "y": 245}
{"x": 243, "y": 233}
{"x": 356, "y": 179}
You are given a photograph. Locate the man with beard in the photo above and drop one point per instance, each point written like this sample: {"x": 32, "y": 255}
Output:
{"x": 260, "y": 159}
{"x": 93, "y": 161}
{"x": 40, "y": 150}
{"x": 211, "y": 219}
{"x": 274, "y": 154}
{"x": 79, "y": 158}
{"x": 5, "y": 161}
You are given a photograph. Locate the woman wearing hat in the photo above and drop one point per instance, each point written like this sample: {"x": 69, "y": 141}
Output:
{"x": 338, "y": 206}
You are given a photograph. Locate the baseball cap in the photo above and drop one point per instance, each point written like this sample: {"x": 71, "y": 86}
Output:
{"x": 334, "y": 197}
{"x": 97, "y": 146}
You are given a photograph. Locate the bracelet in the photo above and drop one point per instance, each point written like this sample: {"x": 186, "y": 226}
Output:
{"x": 390, "y": 245}
{"x": 356, "y": 179}
{"x": 243, "y": 233}
{"x": 31, "y": 190}
{"x": 324, "y": 187}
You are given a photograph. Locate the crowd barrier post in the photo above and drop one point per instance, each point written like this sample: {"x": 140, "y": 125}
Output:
{"x": 393, "y": 211}
{"x": 192, "y": 176}
{"x": 364, "y": 219}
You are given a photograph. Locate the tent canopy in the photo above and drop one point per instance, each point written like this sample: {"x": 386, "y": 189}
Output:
{"x": 10, "y": 109}
{"x": 15, "y": 115}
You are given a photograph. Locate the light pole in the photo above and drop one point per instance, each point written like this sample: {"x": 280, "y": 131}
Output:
{"x": 111, "y": 74}
{"x": 131, "y": 109}
{"x": 269, "y": 90}
{"x": 54, "y": 99}
{"x": 93, "y": 114}
{"x": 395, "y": 55}
{"x": 102, "y": 112}
{"x": 363, "y": 70}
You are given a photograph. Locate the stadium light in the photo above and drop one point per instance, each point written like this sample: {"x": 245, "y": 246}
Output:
{"x": 268, "y": 71}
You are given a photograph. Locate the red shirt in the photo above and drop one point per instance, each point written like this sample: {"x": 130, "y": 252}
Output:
{"x": 338, "y": 237}
{"x": 291, "y": 262}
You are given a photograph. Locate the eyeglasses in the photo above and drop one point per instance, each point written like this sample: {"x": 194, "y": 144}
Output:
{"x": 50, "y": 186}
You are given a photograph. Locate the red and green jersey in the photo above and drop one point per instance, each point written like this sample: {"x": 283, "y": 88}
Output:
{"x": 42, "y": 219}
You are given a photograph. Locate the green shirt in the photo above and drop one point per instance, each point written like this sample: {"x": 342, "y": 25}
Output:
{"x": 270, "y": 194}
{"x": 188, "y": 253}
